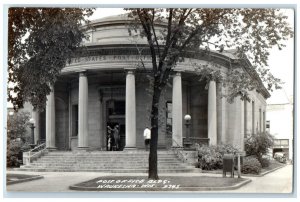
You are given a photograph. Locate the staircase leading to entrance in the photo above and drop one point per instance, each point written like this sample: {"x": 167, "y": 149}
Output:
{"x": 106, "y": 161}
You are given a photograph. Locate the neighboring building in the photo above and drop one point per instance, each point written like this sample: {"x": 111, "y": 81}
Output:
{"x": 105, "y": 87}
{"x": 280, "y": 121}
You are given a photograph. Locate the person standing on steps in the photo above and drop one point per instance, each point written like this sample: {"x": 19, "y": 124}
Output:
{"x": 116, "y": 134}
{"x": 147, "y": 137}
{"x": 109, "y": 138}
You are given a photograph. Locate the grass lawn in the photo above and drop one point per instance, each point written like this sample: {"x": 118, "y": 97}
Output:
{"x": 273, "y": 165}
{"x": 17, "y": 178}
{"x": 168, "y": 183}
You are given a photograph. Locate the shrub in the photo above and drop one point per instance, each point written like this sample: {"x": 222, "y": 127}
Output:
{"x": 227, "y": 149}
{"x": 264, "y": 163}
{"x": 13, "y": 152}
{"x": 211, "y": 157}
{"x": 251, "y": 165}
{"x": 258, "y": 145}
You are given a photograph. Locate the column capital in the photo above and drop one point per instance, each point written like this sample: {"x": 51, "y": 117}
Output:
{"x": 177, "y": 73}
{"x": 130, "y": 70}
{"x": 82, "y": 73}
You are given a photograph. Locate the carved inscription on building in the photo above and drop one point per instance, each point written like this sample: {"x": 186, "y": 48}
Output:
{"x": 99, "y": 58}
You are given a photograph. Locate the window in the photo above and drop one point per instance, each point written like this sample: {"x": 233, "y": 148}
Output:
{"x": 281, "y": 142}
{"x": 169, "y": 117}
{"x": 116, "y": 107}
{"x": 253, "y": 118}
{"x": 260, "y": 125}
{"x": 245, "y": 118}
{"x": 268, "y": 124}
{"x": 75, "y": 120}
{"x": 264, "y": 121}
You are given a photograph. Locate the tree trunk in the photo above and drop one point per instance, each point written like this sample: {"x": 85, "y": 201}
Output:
{"x": 153, "y": 174}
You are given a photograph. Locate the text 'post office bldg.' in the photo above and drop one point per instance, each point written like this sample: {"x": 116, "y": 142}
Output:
{"x": 107, "y": 85}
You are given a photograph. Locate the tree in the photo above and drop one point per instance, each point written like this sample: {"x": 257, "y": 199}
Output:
{"x": 17, "y": 137}
{"x": 17, "y": 125}
{"x": 40, "y": 43}
{"x": 171, "y": 32}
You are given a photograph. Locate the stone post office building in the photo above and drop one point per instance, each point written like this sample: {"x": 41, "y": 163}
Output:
{"x": 108, "y": 87}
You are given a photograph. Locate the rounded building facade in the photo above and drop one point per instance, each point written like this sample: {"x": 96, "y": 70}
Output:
{"x": 108, "y": 84}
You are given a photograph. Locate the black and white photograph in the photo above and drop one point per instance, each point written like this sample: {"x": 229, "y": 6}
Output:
{"x": 171, "y": 99}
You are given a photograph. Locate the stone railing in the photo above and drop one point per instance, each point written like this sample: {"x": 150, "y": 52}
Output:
{"x": 34, "y": 154}
{"x": 198, "y": 140}
{"x": 186, "y": 156}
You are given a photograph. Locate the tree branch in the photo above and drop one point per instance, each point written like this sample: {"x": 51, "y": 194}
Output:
{"x": 154, "y": 32}
{"x": 147, "y": 30}
{"x": 163, "y": 56}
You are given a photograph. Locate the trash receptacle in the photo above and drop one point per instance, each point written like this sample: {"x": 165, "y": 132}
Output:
{"x": 228, "y": 164}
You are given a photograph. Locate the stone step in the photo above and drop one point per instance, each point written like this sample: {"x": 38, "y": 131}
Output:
{"x": 103, "y": 160}
{"x": 116, "y": 156}
{"x": 109, "y": 153}
{"x": 76, "y": 167}
{"x": 107, "y": 171}
{"x": 106, "y": 161}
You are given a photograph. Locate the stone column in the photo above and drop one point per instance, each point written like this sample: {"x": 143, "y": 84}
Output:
{"x": 177, "y": 111}
{"x": 130, "y": 111}
{"x": 221, "y": 112}
{"x": 83, "y": 112}
{"x": 212, "y": 113}
{"x": 50, "y": 121}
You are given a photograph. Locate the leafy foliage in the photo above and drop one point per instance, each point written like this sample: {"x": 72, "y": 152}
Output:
{"x": 251, "y": 165}
{"x": 172, "y": 32}
{"x": 265, "y": 162}
{"x": 13, "y": 153}
{"x": 17, "y": 126}
{"x": 211, "y": 157}
{"x": 258, "y": 145}
{"x": 41, "y": 41}
{"x": 227, "y": 149}
{"x": 17, "y": 138}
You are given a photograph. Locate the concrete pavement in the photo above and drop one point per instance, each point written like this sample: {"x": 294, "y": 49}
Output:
{"x": 279, "y": 181}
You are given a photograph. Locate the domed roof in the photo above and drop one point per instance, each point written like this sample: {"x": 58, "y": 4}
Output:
{"x": 111, "y": 19}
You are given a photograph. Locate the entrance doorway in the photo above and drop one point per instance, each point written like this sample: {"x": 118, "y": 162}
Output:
{"x": 115, "y": 110}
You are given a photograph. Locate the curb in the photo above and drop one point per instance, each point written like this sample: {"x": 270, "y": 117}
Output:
{"x": 236, "y": 186}
{"x": 249, "y": 175}
{"x": 25, "y": 180}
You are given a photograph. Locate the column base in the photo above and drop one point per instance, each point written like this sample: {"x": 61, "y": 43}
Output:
{"x": 177, "y": 147}
{"x": 82, "y": 148}
{"x": 51, "y": 148}
{"x": 130, "y": 148}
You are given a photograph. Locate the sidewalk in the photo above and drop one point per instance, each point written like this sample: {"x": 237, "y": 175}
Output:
{"x": 60, "y": 182}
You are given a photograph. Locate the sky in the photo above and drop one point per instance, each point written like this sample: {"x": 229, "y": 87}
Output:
{"x": 281, "y": 63}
